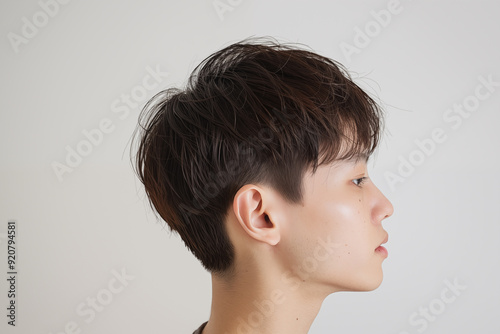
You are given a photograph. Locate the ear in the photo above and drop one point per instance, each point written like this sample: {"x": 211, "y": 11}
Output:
{"x": 251, "y": 207}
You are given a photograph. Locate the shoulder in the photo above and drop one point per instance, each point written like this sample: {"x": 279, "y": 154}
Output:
{"x": 200, "y": 329}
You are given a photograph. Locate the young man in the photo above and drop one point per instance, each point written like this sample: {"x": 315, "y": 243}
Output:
{"x": 260, "y": 165}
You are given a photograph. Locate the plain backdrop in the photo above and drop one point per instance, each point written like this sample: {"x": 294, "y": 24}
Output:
{"x": 82, "y": 221}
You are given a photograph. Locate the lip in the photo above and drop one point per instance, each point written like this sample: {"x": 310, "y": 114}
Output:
{"x": 382, "y": 250}
{"x": 386, "y": 239}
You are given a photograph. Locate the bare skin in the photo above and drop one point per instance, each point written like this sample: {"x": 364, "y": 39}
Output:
{"x": 290, "y": 257}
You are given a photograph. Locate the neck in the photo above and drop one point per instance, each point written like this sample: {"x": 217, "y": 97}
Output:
{"x": 252, "y": 302}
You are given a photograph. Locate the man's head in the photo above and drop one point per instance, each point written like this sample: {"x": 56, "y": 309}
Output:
{"x": 259, "y": 150}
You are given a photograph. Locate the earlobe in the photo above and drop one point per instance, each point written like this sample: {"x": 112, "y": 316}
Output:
{"x": 253, "y": 212}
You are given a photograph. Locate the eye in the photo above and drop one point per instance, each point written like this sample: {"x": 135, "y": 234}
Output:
{"x": 359, "y": 182}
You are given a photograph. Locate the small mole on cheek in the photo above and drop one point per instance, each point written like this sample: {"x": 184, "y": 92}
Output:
{"x": 359, "y": 200}
{"x": 348, "y": 252}
{"x": 297, "y": 319}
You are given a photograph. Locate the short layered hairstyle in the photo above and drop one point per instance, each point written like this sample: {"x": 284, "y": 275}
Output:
{"x": 256, "y": 112}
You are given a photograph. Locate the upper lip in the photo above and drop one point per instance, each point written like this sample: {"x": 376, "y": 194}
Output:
{"x": 386, "y": 239}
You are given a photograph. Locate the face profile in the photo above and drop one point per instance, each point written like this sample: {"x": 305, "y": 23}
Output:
{"x": 329, "y": 242}
{"x": 341, "y": 204}
{"x": 260, "y": 165}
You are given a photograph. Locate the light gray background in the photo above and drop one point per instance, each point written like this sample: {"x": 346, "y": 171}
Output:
{"x": 73, "y": 233}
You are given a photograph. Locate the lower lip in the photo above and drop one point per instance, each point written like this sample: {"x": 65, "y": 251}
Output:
{"x": 382, "y": 251}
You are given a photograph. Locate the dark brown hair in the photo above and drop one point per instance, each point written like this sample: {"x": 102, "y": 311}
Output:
{"x": 257, "y": 111}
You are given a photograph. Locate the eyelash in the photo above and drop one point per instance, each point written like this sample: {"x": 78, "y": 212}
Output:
{"x": 361, "y": 181}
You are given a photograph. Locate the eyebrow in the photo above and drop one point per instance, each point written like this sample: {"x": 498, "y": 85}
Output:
{"x": 359, "y": 156}
{"x": 353, "y": 160}
{"x": 364, "y": 156}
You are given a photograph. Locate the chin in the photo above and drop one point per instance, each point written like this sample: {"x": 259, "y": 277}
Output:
{"x": 366, "y": 283}
{"x": 356, "y": 279}
{"x": 373, "y": 286}
{"x": 373, "y": 283}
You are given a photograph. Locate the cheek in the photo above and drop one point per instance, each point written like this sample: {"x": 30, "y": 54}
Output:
{"x": 340, "y": 223}
{"x": 341, "y": 218}
{"x": 346, "y": 224}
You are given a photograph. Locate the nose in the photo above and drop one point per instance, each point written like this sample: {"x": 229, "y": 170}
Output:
{"x": 382, "y": 207}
